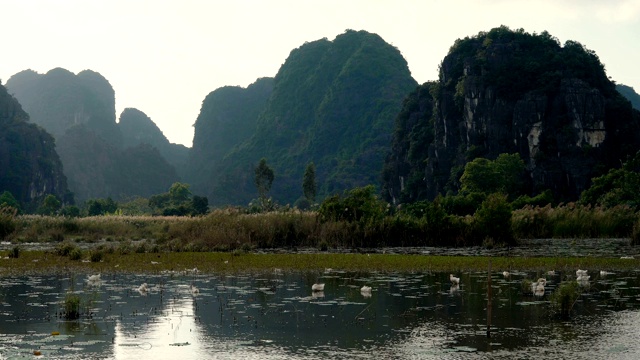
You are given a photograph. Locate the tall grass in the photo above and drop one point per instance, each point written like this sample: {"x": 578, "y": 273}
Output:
{"x": 574, "y": 221}
{"x": 233, "y": 229}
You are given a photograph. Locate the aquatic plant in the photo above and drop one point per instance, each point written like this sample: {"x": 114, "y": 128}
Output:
{"x": 71, "y": 306}
{"x": 526, "y": 286}
{"x": 564, "y": 297}
{"x": 14, "y": 252}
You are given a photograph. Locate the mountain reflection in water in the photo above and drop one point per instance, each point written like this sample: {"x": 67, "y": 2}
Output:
{"x": 276, "y": 315}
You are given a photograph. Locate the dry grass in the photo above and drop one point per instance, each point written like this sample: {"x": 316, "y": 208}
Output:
{"x": 227, "y": 230}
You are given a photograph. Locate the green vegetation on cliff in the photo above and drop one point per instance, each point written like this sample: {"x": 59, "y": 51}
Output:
{"x": 30, "y": 168}
{"x": 79, "y": 110}
{"x": 333, "y": 103}
{"x": 138, "y": 129}
{"x": 227, "y": 119}
{"x": 511, "y": 92}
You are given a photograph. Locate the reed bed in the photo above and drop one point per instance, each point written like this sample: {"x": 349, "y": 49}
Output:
{"x": 229, "y": 230}
{"x": 574, "y": 221}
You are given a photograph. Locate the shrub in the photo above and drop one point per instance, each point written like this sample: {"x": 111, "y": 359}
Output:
{"x": 70, "y": 211}
{"x": 323, "y": 245}
{"x": 14, "y": 253}
{"x": 124, "y": 248}
{"x": 635, "y": 235}
{"x": 7, "y": 220}
{"x": 359, "y": 204}
{"x": 56, "y": 235}
{"x": 141, "y": 248}
{"x": 564, "y": 297}
{"x": 246, "y": 247}
{"x": 525, "y": 286}
{"x": 70, "y": 225}
{"x": 65, "y": 248}
{"x": 493, "y": 219}
{"x": 97, "y": 255}
{"x": 75, "y": 254}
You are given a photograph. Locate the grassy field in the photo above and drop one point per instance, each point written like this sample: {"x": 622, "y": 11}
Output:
{"x": 39, "y": 262}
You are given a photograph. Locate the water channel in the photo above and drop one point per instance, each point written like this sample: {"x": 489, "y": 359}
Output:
{"x": 276, "y": 315}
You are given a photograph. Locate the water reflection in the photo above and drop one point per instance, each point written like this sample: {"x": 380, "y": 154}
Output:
{"x": 278, "y": 315}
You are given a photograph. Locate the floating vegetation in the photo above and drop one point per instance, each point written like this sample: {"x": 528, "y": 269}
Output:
{"x": 42, "y": 262}
{"x": 564, "y": 297}
{"x": 260, "y": 313}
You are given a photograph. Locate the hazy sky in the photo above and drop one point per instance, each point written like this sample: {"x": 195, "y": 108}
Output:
{"x": 164, "y": 57}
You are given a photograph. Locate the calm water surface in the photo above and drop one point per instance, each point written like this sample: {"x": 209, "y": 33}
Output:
{"x": 275, "y": 315}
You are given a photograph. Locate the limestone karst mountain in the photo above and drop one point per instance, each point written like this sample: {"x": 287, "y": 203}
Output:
{"x": 333, "y": 103}
{"x": 30, "y": 168}
{"x": 79, "y": 110}
{"x": 507, "y": 91}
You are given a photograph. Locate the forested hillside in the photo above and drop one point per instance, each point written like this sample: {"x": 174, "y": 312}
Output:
{"x": 30, "y": 168}
{"x": 333, "y": 103}
{"x": 227, "y": 119}
{"x": 508, "y": 91}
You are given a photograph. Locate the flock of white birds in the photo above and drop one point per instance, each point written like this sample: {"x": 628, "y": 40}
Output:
{"x": 537, "y": 287}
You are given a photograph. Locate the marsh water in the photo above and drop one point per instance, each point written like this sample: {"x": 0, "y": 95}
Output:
{"x": 275, "y": 315}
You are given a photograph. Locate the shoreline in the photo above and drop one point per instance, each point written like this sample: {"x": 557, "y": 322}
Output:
{"x": 45, "y": 262}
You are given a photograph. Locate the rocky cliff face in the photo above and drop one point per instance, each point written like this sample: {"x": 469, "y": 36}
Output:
{"x": 60, "y": 99}
{"x": 29, "y": 165}
{"x": 512, "y": 92}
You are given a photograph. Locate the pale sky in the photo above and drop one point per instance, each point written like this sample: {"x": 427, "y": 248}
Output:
{"x": 164, "y": 57}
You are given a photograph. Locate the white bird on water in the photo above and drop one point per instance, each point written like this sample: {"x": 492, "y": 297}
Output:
{"x": 506, "y": 274}
{"x": 537, "y": 288}
{"x": 580, "y": 273}
{"x": 143, "y": 289}
{"x": 365, "y": 291}
{"x": 94, "y": 278}
{"x": 317, "y": 287}
{"x": 582, "y": 276}
{"x": 454, "y": 280}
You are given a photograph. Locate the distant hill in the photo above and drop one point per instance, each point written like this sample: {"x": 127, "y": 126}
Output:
{"x": 631, "y": 95}
{"x": 138, "y": 129}
{"x": 60, "y": 99}
{"x": 30, "y": 168}
{"x": 333, "y": 103}
{"x": 227, "y": 118}
{"x": 508, "y": 91}
{"x": 79, "y": 110}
